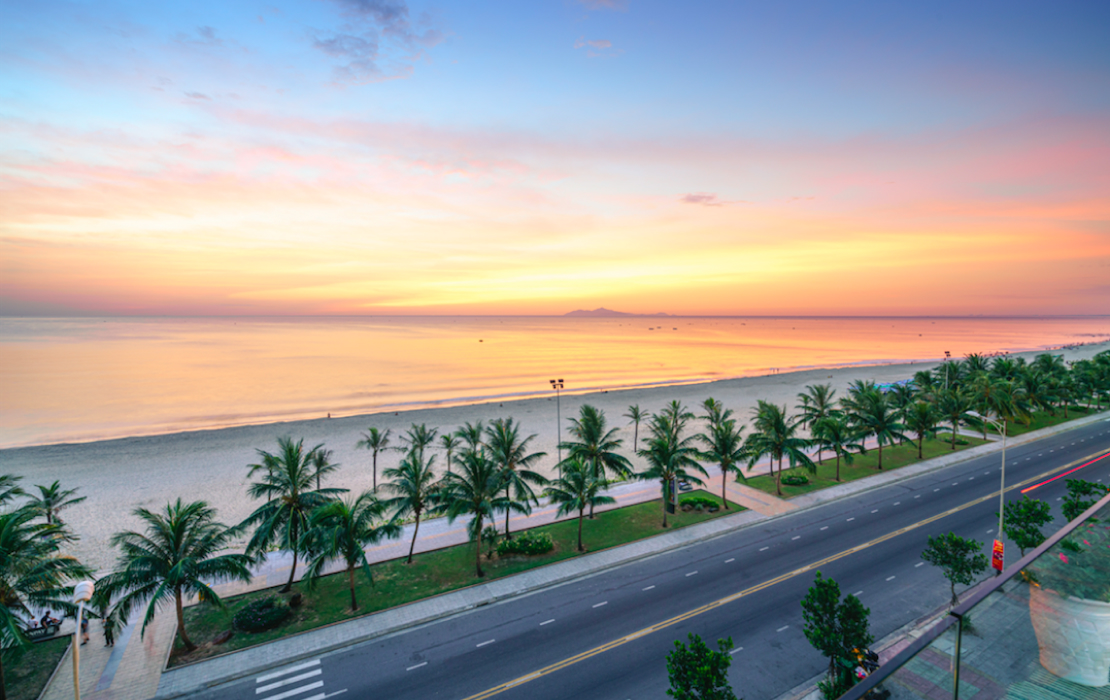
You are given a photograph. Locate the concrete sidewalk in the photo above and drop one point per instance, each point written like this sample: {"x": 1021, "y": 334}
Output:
{"x": 133, "y": 668}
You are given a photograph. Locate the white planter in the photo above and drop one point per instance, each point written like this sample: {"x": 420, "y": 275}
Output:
{"x": 1073, "y": 635}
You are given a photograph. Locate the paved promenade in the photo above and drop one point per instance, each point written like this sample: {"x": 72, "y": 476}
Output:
{"x": 133, "y": 668}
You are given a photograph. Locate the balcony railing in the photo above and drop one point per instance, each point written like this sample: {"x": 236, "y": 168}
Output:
{"x": 1013, "y": 637}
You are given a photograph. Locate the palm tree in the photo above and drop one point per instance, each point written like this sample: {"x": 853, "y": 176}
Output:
{"x": 341, "y": 530}
{"x": 449, "y": 442}
{"x": 52, "y": 499}
{"x": 834, "y": 432}
{"x": 636, "y": 415}
{"x": 471, "y": 434}
{"x": 955, "y": 406}
{"x": 286, "y": 485}
{"x": 991, "y": 396}
{"x": 33, "y": 573}
{"x": 816, "y": 403}
{"x": 922, "y": 419}
{"x": 725, "y": 446}
{"x": 176, "y": 557}
{"x": 776, "y": 436}
{"x": 715, "y": 412}
{"x": 510, "y": 454}
{"x": 417, "y": 438}
{"x": 879, "y": 418}
{"x": 862, "y": 396}
{"x": 322, "y": 464}
{"x": 375, "y": 441}
{"x": 415, "y": 487}
{"x": 474, "y": 490}
{"x": 901, "y": 397}
{"x": 677, "y": 417}
{"x": 669, "y": 457}
{"x": 975, "y": 364}
{"x": 596, "y": 445}
{"x": 9, "y": 488}
{"x": 575, "y": 489}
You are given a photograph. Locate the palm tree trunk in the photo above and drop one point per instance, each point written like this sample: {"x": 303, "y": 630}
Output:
{"x": 292, "y": 573}
{"x": 920, "y": 445}
{"x": 838, "y": 465}
{"x": 666, "y": 497}
{"x": 778, "y": 477}
{"x": 351, "y": 584}
{"x": 478, "y": 548}
{"x": 375, "y": 462}
{"x": 581, "y": 512}
{"x": 953, "y": 436}
{"x": 189, "y": 646}
{"x": 880, "y": 455}
{"x": 724, "y": 477}
{"x": 508, "y": 535}
{"x": 414, "y": 531}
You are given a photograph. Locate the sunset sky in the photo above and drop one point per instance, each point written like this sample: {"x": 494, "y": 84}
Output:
{"x": 534, "y": 157}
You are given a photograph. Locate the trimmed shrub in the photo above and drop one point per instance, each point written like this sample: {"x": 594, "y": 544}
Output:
{"x": 260, "y": 615}
{"x": 526, "y": 543}
{"x": 698, "y": 502}
{"x": 795, "y": 479}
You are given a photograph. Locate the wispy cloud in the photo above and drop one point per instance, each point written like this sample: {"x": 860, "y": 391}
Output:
{"x": 621, "y": 5}
{"x": 378, "y": 41}
{"x": 709, "y": 199}
{"x": 597, "y": 48}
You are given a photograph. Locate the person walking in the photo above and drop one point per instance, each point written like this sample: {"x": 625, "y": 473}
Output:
{"x": 84, "y": 630}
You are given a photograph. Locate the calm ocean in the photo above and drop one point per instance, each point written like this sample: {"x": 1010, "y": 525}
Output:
{"x": 84, "y": 379}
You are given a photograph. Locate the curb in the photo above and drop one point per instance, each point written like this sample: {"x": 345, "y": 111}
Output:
{"x": 615, "y": 557}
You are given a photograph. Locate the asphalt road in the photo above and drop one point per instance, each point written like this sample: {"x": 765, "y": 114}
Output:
{"x": 581, "y": 637}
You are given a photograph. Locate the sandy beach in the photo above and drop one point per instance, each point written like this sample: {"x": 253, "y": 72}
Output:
{"x": 119, "y": 475}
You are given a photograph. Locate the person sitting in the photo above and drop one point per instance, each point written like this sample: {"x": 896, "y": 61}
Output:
{"x": 48, "y": 621}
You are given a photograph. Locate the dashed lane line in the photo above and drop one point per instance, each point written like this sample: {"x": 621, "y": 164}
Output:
{"x": 548, "y": 622}
{"x": 598, "y": 605}
{"x": 286, "y": 671}
{"x": 287, "y": 681}
{"x": 419, "y": 665}
{"x": 488, "y": 641}
{"x": 649, "y": 588}
{"x": 729, "y": 561}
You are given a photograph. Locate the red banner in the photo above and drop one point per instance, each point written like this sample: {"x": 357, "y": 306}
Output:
{"x": 998, "y": 555}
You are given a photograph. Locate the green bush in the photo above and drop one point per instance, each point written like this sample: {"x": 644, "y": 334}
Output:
{"x": 526, "y": 543}
{"x": 795, "y": 479}
{"x": 698, "y": 501}
{"x": 262, "y": 614}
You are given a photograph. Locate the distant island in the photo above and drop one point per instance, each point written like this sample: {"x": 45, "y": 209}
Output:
{"x": 606, "y": 313}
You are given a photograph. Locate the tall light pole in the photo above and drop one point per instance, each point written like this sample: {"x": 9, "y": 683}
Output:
{"x": 947, "y": 357}
{"x": 557, "y": 384}
{"x": 82, "y": 593}
{"x": 1002, "y": 489}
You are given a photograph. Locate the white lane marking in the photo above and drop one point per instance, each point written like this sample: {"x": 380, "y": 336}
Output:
{"x": 286, "y": 671}
{"x": 795, "y": 537}
{"x": 971, "y": 478}
{"x": 691, "y": 574}
{"x": 649, "y": 588}
{"x": 858, "y": 593}
{"x": 288, "y": 681}
{"x": 956, "y": 483}
{"x": 729, "y": 561}
{"x": 890, "y": 578}
{"x": 897, "y": 503}
{"x": 297, "y": 691}
{"x": 935, "y": 490}
{"x": 737, "y": 650}
{"x": 413, "y": 668}
{"x": 990, "y": 531}
{"x": 918, "y": 496}
{"x": 780, "y": 629}
{"x": 763, "y": 549}
{"x": 605, "y": 602}
{"x": 548, "y": 622}
{"x": 875, "y": 511}
{"x": 920, "y": 563}
{"x": 488, "y": 641}
{"x": 341, "y": 690}
{"x": 850, "y": 520}
{"x": 825, "y": 528}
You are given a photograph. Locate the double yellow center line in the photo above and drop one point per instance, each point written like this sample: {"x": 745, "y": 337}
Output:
{"x": 754, "y": 589}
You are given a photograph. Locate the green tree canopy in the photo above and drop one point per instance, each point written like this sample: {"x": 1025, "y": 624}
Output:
{"x": 575, "y": 490}
{"x": 961, "y": 560}
{"x": 836, "y": 628}
{"x": 1023, "y": 520}
{"x": 696, "y": 672}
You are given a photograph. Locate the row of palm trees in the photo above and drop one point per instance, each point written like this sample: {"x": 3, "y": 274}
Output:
{"x": 490, "y": 471}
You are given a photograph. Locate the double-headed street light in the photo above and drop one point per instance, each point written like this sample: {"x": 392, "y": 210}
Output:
{"x": 1001, "y": 425}
{"x": 557, "y": 384}
{"x": 82, "y": 593}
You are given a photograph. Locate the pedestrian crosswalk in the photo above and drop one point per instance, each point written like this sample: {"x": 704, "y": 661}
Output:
{"x": 292, "y": 682}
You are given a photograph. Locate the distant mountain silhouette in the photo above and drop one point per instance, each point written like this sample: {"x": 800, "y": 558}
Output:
{"x": 606, "y": 313}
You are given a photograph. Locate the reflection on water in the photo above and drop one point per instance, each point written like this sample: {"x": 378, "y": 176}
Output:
{"x": 67, "y": 379}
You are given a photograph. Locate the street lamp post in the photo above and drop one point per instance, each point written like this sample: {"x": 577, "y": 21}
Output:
{"x": 557, "y": 384}
{"x": 947, "y": 358}
{"x": 82, "y": 593}
{"x": 1002, "y": 489}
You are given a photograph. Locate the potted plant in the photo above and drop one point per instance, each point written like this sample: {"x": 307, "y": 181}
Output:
{"x": 1069, "y": 603}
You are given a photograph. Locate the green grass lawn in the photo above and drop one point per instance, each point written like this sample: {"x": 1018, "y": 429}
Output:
{"x": 862, "y": 465}
{"x": 1044, "y": 419}
{"x": 431, "y": 573}
{"x": 26, "y": 672}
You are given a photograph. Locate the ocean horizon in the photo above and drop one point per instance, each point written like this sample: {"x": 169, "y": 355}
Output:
{"x": 94, "y": 378}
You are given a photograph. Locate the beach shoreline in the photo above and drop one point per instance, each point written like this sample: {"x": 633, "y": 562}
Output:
{"x": 120, "y": 474}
